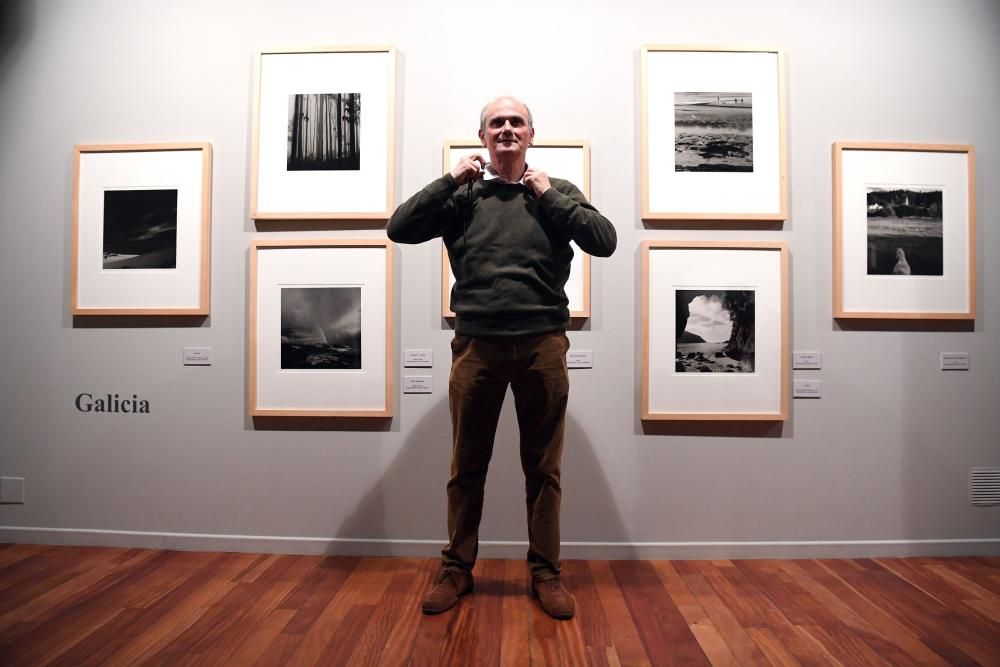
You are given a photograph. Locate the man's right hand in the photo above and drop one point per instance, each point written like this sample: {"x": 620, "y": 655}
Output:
{"x": 469, "y": 168}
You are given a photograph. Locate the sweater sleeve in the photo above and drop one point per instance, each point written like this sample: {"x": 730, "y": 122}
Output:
{"x": 579, "y": 220}
{"x": 425, "y": 215}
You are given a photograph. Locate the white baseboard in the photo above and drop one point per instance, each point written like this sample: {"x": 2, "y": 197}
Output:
{"x": 501, "y": 549}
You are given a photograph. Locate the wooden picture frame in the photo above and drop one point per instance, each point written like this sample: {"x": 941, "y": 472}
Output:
{"x": 904, "y": 231}
{"x": 141, "y": 229}
{"x": 562, "y": 158}
{"x": 320, "y": 328}
{"x": 728, "y": 359}
{"x": 713, "y": 134}
{"x": 324, "y": 134}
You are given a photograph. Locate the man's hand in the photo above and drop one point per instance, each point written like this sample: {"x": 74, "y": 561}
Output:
{"x": 469, "y": 168}
{"x": 537, "y": 180}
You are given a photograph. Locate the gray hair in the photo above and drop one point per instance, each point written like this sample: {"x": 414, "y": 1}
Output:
{"x": 482, "y": 113}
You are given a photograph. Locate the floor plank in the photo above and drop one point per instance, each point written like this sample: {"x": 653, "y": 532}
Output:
{"x": 725, "y": 621}
{"x": 856, "y": 611}
{"x": 662, "y": 627}
{"x": 410, "y": 593}
{"x": 80, "y": 606}
{"x": 624, "y": 634}
{"x": 515, "y": 642}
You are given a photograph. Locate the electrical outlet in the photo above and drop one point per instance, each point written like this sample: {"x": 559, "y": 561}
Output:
{"x": 12, "y": 490}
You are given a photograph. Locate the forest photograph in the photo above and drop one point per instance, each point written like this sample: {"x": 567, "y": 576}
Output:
{"x": 140, "y": 229}
{"x": 324, "y": 132}
{"x": 715, "y": 331}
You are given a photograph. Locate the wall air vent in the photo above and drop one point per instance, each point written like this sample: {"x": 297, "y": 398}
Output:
{"x": 984, "y": 486}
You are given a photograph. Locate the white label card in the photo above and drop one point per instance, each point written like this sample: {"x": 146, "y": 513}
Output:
{"x": 807, "y": 389}
{"x": 580, "y": 359}
{"x": 807, "y": 360}
{"x": 418, "y": 358}
{"x": 197, "y": 356}
{"x": 418, "y": 384}
{"x": 954, "y": 361}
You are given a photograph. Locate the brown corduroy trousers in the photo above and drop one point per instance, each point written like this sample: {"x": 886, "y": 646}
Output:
{"x": 481, "y": 369}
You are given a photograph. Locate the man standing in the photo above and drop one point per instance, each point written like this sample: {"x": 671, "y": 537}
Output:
{"x": 508, "y": 229}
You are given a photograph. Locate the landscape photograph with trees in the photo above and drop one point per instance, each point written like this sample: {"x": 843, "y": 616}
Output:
{"x": 715, "y": 331}
{"x": 324, "y": 132}
{"x": 905, "y": 231}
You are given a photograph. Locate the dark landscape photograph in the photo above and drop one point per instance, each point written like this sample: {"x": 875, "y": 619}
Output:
{"x": 905, "y": 236}
{"x": 324, "y": 132}
{"x": 715, "y": 331}
{"x": 140, "y": 229}
{"x": 713, "y": 131}
{"x": 320, "y": 328}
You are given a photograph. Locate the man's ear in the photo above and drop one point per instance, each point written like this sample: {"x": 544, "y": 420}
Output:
{"x": 531, "y": 137}
{"x": 482, "y": 137}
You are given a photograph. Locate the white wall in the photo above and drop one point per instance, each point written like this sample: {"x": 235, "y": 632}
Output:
{"x": 879, "y": 465}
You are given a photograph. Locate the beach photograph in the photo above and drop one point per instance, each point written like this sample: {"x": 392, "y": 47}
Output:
{"x": 905, "y": 231}
{"x": 324, "y": 132}
{"x": 714, "y": 331}
{"x": 140, "y": 229}
{"x": 713, "y": 131}
{"x": 320, "y": 328}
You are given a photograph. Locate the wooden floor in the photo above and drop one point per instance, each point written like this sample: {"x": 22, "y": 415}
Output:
{"x": 98, "y": 606}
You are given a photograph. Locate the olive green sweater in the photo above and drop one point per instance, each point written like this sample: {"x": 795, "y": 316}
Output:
{"x": 510, "y": 251}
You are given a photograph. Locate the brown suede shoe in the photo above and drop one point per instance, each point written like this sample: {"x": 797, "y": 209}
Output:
{"x": 554, "y": 598}
{"x": 449, "y": 586}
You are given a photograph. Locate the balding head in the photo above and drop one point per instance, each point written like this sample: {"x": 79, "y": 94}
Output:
{"x": 503, "y": 100}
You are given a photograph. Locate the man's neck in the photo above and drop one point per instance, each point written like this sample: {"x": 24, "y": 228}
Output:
{"x": 509, "y": 170}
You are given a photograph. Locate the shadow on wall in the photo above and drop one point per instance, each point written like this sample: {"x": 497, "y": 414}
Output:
{"x": 409, "y": 500}
{"x": 16, "y": 26}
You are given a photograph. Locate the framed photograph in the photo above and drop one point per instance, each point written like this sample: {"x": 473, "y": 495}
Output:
{"x": 141, "y": 229}
{"x": 904, "y": 231}
{"x": 713, "y": 134}
{"x": 320, "y": 324}
{"x": 567, "y": 159}
{"x": 714, "y": 330}
{"x": 323, "y": 128}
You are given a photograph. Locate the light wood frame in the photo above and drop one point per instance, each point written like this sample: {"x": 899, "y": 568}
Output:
{"x": 257, "y": 212}
{"x": 964, "y": 281}
{"x": 259, "y": 246}
{"x": 776, "y": 177}
{"x": 203, "y": 235}
{"x": 581, "y": 260}
{"x": 778, "y": 392}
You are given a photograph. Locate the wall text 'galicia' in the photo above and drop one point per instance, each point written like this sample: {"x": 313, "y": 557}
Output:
{"x": 112, "y": 403}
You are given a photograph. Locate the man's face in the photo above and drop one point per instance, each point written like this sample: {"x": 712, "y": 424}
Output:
{"x": 506, "y": 133}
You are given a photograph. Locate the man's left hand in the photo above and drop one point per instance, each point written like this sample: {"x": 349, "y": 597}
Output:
{"x": 537, "y": 180}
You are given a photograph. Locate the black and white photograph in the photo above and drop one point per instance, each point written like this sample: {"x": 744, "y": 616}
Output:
{"x": 714, "y": 331}
{"x": 140, "y": 229}
{"x": 324, "y": 132}
{"x": 905, "y": 236}
{"x": 320, "y": 328}
{"x": 713, "y": 131}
